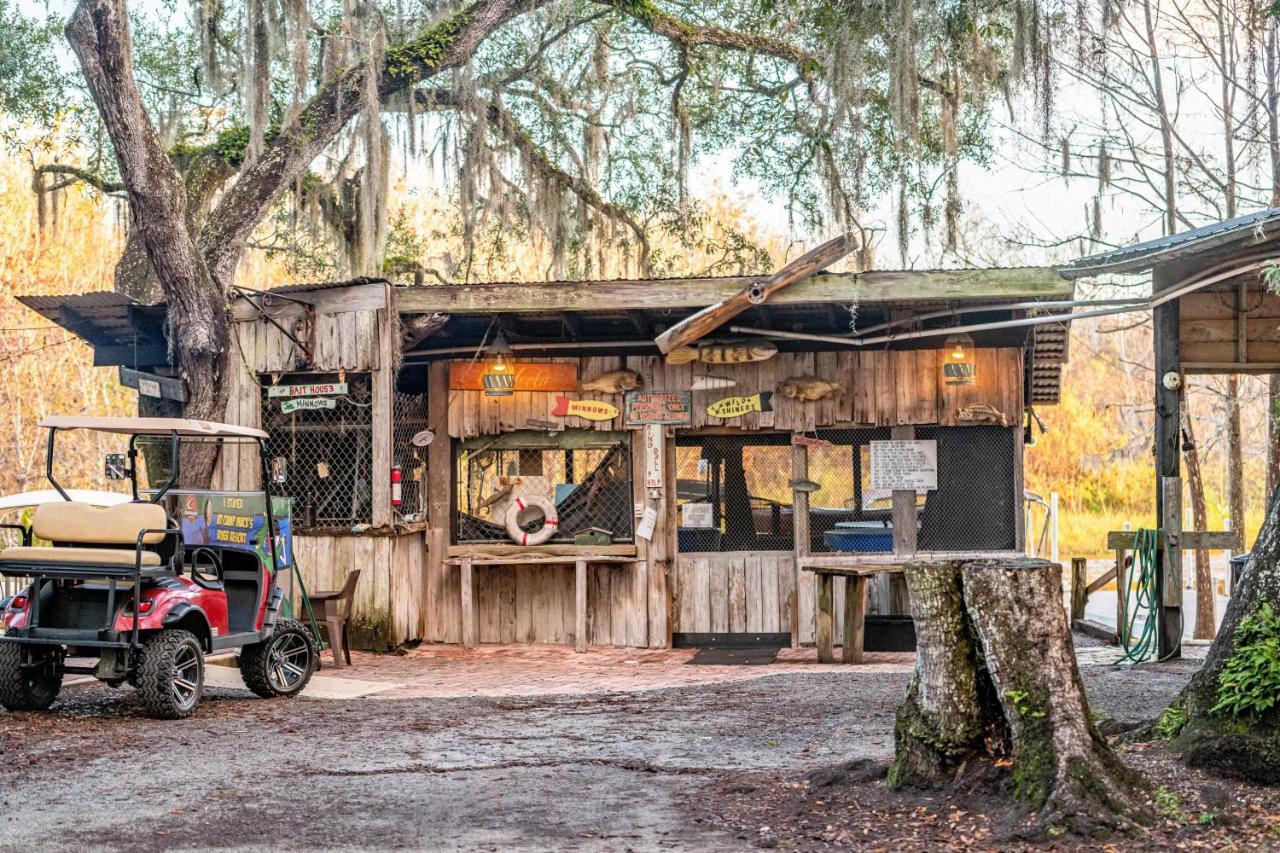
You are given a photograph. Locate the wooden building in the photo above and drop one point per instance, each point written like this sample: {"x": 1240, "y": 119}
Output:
{"x": 690, "y": 488}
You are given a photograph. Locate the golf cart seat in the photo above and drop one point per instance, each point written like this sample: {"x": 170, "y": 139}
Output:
{"x": 87, "y": 535}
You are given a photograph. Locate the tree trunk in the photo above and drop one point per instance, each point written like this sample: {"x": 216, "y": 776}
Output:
{"x": 995, "y": 673}
{"x": 1248, "y": 749}
{"x": 950, "y": 704}
{"x": 1205, "y": 616}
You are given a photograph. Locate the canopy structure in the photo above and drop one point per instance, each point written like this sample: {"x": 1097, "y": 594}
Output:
{"x": 93, "y": 497}
{"x": 152, "y": 426}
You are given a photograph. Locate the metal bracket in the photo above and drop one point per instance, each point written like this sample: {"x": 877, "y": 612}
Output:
{"x": 303, "y": 332}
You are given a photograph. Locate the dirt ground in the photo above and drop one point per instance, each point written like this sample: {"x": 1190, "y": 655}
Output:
{"x": 711, "y": 767}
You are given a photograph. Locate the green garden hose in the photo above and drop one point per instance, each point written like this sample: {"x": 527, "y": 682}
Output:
{"x": 1142, "y": 597}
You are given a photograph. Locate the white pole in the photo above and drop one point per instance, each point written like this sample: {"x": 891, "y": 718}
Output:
{"x": 1053, "y": 527}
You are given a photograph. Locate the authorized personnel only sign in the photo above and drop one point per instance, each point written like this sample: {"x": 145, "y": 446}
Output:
{"x": 901, "y": 465}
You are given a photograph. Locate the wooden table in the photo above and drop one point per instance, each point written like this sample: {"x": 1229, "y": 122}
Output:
{"x": 580, "y": 562}
{"x": 857, "y": 568}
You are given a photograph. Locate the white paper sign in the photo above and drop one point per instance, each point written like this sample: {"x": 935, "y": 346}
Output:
{"x": 697, "y": 515}
{"x": 653, "y": 453}
{"x": 904, "y": 465}
{"x": 148, "y": 387}
{"x": 644, "y": 530}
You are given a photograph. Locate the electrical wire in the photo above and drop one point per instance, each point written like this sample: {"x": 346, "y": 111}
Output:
{"x": 33, "y": 350}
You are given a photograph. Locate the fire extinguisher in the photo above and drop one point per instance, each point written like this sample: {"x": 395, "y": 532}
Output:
{"x": 396, "y": 498}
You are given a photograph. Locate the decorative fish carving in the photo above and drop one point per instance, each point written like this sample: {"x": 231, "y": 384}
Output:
{"x": 806, "y": 486}
{"x": 736, "y": 407}
{"x": 613, "y": 382}
{"x": 808, "y": 388}
{"x": 800, "y": 440}
{"x": 982, "y": 413}
{"x": 722, "y": 354}
{"x": 711, "y": 383}
{"x": 592, "y": 410}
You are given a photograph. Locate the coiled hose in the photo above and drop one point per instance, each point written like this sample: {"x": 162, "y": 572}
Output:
{"x": 1143, "y": 597}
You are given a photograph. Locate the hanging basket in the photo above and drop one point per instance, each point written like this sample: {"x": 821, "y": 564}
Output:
{"x": 550, "y": 522}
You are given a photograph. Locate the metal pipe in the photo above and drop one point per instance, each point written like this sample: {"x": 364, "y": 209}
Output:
{"x": 1150, "y": 302}
{"x": 1007, "y": 306}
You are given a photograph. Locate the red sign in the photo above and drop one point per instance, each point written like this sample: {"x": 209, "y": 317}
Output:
{"x": 528, "y": 375}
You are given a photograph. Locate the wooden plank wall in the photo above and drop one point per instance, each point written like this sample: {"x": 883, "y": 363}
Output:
{"x": 884, "y": 388}
{"x": 734, "y": 592}
{"x": 387, "y": 610}
{"x": 1210, "y": 325}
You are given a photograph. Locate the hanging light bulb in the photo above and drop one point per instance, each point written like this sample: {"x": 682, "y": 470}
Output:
{"x": 501, "y": 353}
{"x": 958, "y": 367}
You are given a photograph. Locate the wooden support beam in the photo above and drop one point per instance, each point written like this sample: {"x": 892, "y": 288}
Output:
{"x": 1192, "y": 540}
{"x": 800, "y": 524}
{"x": 1168, "y": 445}
{"x": 694, "y": 293}
{"x": 826, "y": 618}
{"x": 580, "y": 606}
{"x": 855, "y": 617}
{"x": 470, "y": 620}
{"x": 1079, "y": 587}
{"x": 714, "y": 316}
{"x": 905, "y": 530}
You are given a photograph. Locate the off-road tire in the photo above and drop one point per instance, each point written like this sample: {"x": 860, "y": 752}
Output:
{"x": 158, "y": 664}
{"x": 21, "y": 691}
{"x": 256, "y": 663}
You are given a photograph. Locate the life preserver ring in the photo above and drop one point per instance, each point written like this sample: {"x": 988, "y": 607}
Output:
{"x": 518, "y": 505}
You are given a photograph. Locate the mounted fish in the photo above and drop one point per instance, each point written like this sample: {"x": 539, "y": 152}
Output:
{"x": 722, "y": 354}
{"x": 711, "y": 383}
{"x": 982, "y": 413}
{"x": 806, "y": 486}
{"x": 613, "y": 382}
{"x": 736, "y": 407}
{"x": 808, "y": 388}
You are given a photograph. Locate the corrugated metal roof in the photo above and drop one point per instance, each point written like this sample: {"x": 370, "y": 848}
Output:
{"x": 1253, "y": 228}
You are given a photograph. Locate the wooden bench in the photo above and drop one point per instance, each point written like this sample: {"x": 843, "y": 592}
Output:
{"x": 856, "y": 568}
{"x": 580, "y": 562}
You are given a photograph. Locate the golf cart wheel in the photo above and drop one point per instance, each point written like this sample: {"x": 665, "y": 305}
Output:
{"x": 282, "y": 665}
{"x": 171, "y": 674}
{"x": 30, "y": 689}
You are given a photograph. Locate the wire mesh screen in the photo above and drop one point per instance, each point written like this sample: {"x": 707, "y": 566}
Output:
{"x": 408, "y": 418}
{"x": 585, "y": 475}
{"x": 328, "y": 451}
{"x": 974, "y": 507}
{"x": 733, "y": 492}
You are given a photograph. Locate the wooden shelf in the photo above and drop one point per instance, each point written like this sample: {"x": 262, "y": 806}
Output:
{"x": 481, "y": 550}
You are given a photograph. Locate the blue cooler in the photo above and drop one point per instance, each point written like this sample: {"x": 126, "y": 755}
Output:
{"x": 862, "y": 537}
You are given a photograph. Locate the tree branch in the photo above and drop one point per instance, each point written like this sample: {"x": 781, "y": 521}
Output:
{"x": 75, "y": 174}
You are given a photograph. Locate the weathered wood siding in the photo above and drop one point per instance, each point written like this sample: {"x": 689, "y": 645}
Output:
{"x": 387, "y": 610}
{"x": 883, "y": 388}
{"x": 735, "y": 592}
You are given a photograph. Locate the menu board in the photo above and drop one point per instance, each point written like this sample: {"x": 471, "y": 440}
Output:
{"x": 673, "y": 408}
{"x": 904, "y": 465}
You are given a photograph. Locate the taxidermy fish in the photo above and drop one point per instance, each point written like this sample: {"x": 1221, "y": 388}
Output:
{"x": 711, "y": 383}
{"x": 808, "y": 388}
{"x": 805, "y": 486}
{"x": 613, "y": 382}
{"x": 740, "y": 354}
{"x": 736, "y": 407}
{"x": 592, "y": 410}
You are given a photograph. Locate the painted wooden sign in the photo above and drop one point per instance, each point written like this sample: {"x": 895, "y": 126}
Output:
{"x": 736, "y": 407}
{"x": 314, "y": 389}
{"x": 809, "y": 441}
{"x": 293, "y": 404}
{"x": 592, "y": 410}
{"x": 673, "y": 408}
{"x": 527, "y": 376}
{"x": 654, "y": 441}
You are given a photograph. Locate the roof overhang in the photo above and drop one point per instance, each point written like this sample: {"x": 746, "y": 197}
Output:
{"x": 152, "y": 426}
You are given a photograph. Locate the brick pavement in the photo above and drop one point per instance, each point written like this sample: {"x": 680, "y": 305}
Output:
{"x": 441, "y": 671}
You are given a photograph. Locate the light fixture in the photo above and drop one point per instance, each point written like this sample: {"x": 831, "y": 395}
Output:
{"x": 501, "y": 353}
{"x": 958, "y": 367}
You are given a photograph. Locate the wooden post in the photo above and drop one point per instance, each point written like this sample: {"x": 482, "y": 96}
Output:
{"x": 580, "y": 600}
{"x": 1170, "y": 599}
{"x": 1079, "y": 584}
{"x": 904, "y": 533}
{"x": 469, "y": 625}
{"x": 800, "y": 528}
{"x": 1122, "y": 591}
{"x": 383, "y": 381}
{"x": 855, "y": 615}
{"x": 1168, "y": 444}
{"x": 440, "y": 480}
{"x": 826, "y": 618}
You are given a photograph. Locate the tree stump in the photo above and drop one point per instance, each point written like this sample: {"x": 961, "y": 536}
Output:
{"x": 996, "y": 673}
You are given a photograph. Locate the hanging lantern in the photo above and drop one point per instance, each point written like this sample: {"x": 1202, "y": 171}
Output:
{"x": 499, "y": 379}
{"x": 958, "y": 367}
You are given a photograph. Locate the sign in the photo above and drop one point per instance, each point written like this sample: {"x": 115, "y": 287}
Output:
{"x": 236, "y": 521}
{"x": 524, "y": 376}
{"x": 736, "y": 407}
{"x": 592, "y": 410}
{"x": 674, "y": 408}
{"x": 653, "y": 456}
{"x": 153, "y": 384}
{"x": 799, "y": 440}
{"x": 307, "y": 403}
{"x": 904, "y": 465}
{"x": 649, "y": 520}
{"x": 314, "y": 389}
{"x": 697, "y": 515}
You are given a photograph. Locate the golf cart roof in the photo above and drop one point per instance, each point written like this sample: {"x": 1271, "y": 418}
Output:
{"x": 152, "y": 426}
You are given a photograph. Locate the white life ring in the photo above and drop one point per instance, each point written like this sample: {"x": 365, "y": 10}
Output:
{"x": 549, "y": 524}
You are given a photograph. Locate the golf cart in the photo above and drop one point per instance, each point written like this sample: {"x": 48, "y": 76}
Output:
{"x": 152, "y": 586}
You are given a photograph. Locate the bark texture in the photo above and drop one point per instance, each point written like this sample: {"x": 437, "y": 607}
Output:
{"x": 1245, "y": 749}
{"x": 996, "y": 676}
{"x": 1206, "y": 619}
